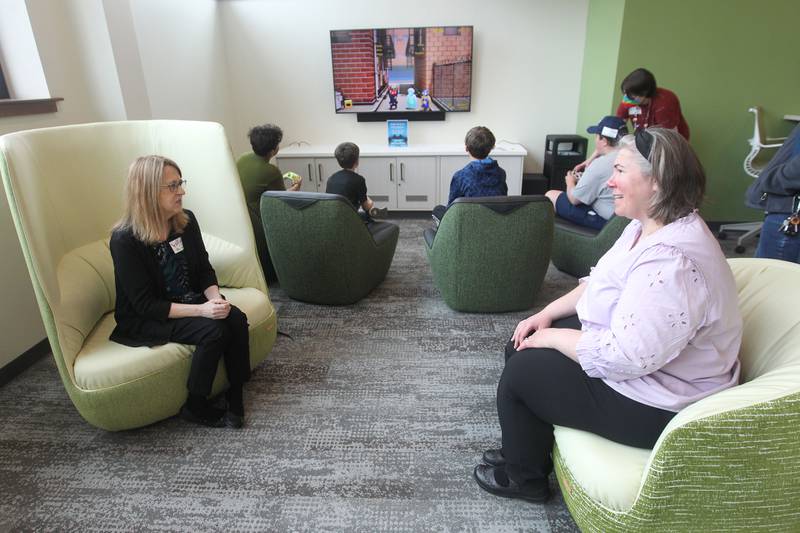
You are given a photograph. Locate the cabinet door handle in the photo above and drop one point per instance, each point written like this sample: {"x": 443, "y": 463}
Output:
{"x": 319, "y": 176}
{"x": 402, "y": 171}
{"x": 310, "y": 175}
{"x": 391, "y": 171}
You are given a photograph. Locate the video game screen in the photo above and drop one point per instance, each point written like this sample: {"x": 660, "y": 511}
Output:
{"x": 402, "y": 69}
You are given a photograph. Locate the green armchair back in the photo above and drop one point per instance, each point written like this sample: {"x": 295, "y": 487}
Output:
{"x": 576, "y": 249}
{"x": 491, "y": 254}
{"x": 322, "y": 250}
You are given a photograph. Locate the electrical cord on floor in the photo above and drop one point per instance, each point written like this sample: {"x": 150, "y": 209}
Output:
{"x": 284, "y": 334}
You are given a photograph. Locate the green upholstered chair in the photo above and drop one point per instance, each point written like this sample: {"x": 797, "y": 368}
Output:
{"x": 64, "y": 188}
{"x": 576, "y": 249}
{"x": 491, "y": 254}
{"x": 730, "y": 462}
{"x": 322, "y": 251}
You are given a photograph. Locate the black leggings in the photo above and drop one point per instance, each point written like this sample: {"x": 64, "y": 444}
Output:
{"x": 227, "y": 338}
{"x": 541, "y": 387}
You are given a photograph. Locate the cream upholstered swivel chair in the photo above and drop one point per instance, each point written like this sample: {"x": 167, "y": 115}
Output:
{"x": 730, "y": 462}
{"x": 64, "y": 187}
{"x": 758, "y": 144}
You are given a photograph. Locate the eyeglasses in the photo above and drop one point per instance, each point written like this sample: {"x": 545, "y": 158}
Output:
{"x": 644, "y": 142}
{"x": 174, "y": 185}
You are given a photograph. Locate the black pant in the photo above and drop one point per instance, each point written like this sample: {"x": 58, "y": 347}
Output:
{"x": 438, "y": 213}
{"x": 541, "y": 387}
{"x": 227, "y": 338}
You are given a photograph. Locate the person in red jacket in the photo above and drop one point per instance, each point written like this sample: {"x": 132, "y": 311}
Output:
{"x": 647, "y": 105}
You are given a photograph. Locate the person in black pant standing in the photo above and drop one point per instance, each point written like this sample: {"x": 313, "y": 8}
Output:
{"x": 167, "y": 291}
{"x": 351, "y": 185}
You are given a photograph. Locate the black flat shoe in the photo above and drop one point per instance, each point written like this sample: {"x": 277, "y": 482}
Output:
{"x": 212, "y": 419}
{"x": 232, "y": 420}
{"x": 485, "y": 476}
{"x": 494, "y": 458}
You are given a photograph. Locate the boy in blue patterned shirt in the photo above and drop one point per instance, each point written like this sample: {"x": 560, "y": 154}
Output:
{"x": 481, "y": 177}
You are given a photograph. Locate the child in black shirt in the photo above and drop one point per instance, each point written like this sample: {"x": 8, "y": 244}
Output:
{"x": 351, "y": 185}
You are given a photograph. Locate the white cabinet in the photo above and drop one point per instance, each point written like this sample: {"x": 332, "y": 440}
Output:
{"x": 407, "y": 179}
{"x": 416, "y": 188}
{"x": 449, "y": 165}
{"x": 315, "y": 171}
{"x": 513, "y": 167}
{"x": 404, "y": 183}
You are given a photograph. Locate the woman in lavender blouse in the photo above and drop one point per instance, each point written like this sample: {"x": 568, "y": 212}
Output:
{"x": 653, "y": 328}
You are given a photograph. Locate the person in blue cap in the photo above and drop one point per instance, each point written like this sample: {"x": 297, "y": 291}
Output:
{"x": 588, "y": 201}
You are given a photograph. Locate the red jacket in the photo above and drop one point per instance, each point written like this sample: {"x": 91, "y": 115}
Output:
{"x": 663, "y": 110}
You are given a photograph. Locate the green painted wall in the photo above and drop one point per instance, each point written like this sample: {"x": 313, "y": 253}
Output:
{"x": 720, "y": 57}
{"x": 598, "y": 79}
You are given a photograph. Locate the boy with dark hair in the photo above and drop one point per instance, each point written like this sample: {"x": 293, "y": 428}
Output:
{"x": 481, "y": 177}
{"x": 257, "y": 175}
{"x": 351, "y": 185}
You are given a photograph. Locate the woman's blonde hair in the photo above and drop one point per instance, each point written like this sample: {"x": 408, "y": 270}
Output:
{"x": 142, "y": 213}
{"x": 675, "y": 168}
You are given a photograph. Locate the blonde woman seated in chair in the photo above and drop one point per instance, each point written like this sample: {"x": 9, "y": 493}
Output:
{"x": 167, "y": 290}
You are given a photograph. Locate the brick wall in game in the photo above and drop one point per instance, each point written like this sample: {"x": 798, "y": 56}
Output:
{"x": 442, "y": 48}
{"x": 354, "y": 67}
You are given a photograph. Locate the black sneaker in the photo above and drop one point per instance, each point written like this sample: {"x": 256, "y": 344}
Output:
{"x": 487, "y": 480}
{"x": 232, "y": 420}
{"x": 494, "y": 457}
{"x": 212, "y": 417}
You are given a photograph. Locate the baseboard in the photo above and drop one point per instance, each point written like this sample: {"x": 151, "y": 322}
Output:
{"x": 24, "y": 361}
{"x": 422, "y": 215}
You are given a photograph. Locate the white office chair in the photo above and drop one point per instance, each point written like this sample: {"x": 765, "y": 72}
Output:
{"x": 757, "y": 143}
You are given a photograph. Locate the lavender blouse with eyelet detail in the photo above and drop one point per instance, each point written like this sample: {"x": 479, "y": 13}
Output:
{"x": 660, "y": 317}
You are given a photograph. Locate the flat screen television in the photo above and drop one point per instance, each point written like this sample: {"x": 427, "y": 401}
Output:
{"x": 414, "y": 73}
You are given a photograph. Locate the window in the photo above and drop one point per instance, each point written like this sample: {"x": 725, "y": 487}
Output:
{"x": 23, "y": 88}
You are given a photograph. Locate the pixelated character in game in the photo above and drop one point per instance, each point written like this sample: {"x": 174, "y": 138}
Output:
{"x": 411, "y": 99}
{"x": 425, "y": 101}
{"x": 393, "y": 97}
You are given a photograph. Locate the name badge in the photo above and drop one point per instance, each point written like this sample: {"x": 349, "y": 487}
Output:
{"x": 636, "y": 110}
{"x": 177, "y": 245}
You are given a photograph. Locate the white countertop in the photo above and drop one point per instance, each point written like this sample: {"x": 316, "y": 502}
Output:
{"x": 326, "y": 150}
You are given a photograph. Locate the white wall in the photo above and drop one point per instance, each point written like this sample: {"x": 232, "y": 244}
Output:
{"x": 527, "y": 57}
{"x": 18, "y": 53}
{"x": 182, "y": 53}
{"x": 75, "y": 53}
{"x": 110, "y": 60}
{"x": 243, "y": 63}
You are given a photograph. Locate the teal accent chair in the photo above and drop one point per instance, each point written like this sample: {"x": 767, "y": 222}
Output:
{"x": 322, "y": 250}
{"x": 729, "y": 462}
{"x": 491, "y": 254}
{"x": 64, "y": 187}
{"x": 576, "y": 249}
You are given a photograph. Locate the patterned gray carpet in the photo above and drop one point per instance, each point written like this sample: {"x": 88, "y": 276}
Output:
{"x": 370, "y": 419}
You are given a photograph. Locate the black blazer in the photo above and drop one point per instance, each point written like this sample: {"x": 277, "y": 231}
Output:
{"x": 142, "y": 307}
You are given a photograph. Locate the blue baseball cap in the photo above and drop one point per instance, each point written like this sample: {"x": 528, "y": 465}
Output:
{"x": 610, "y": 126}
